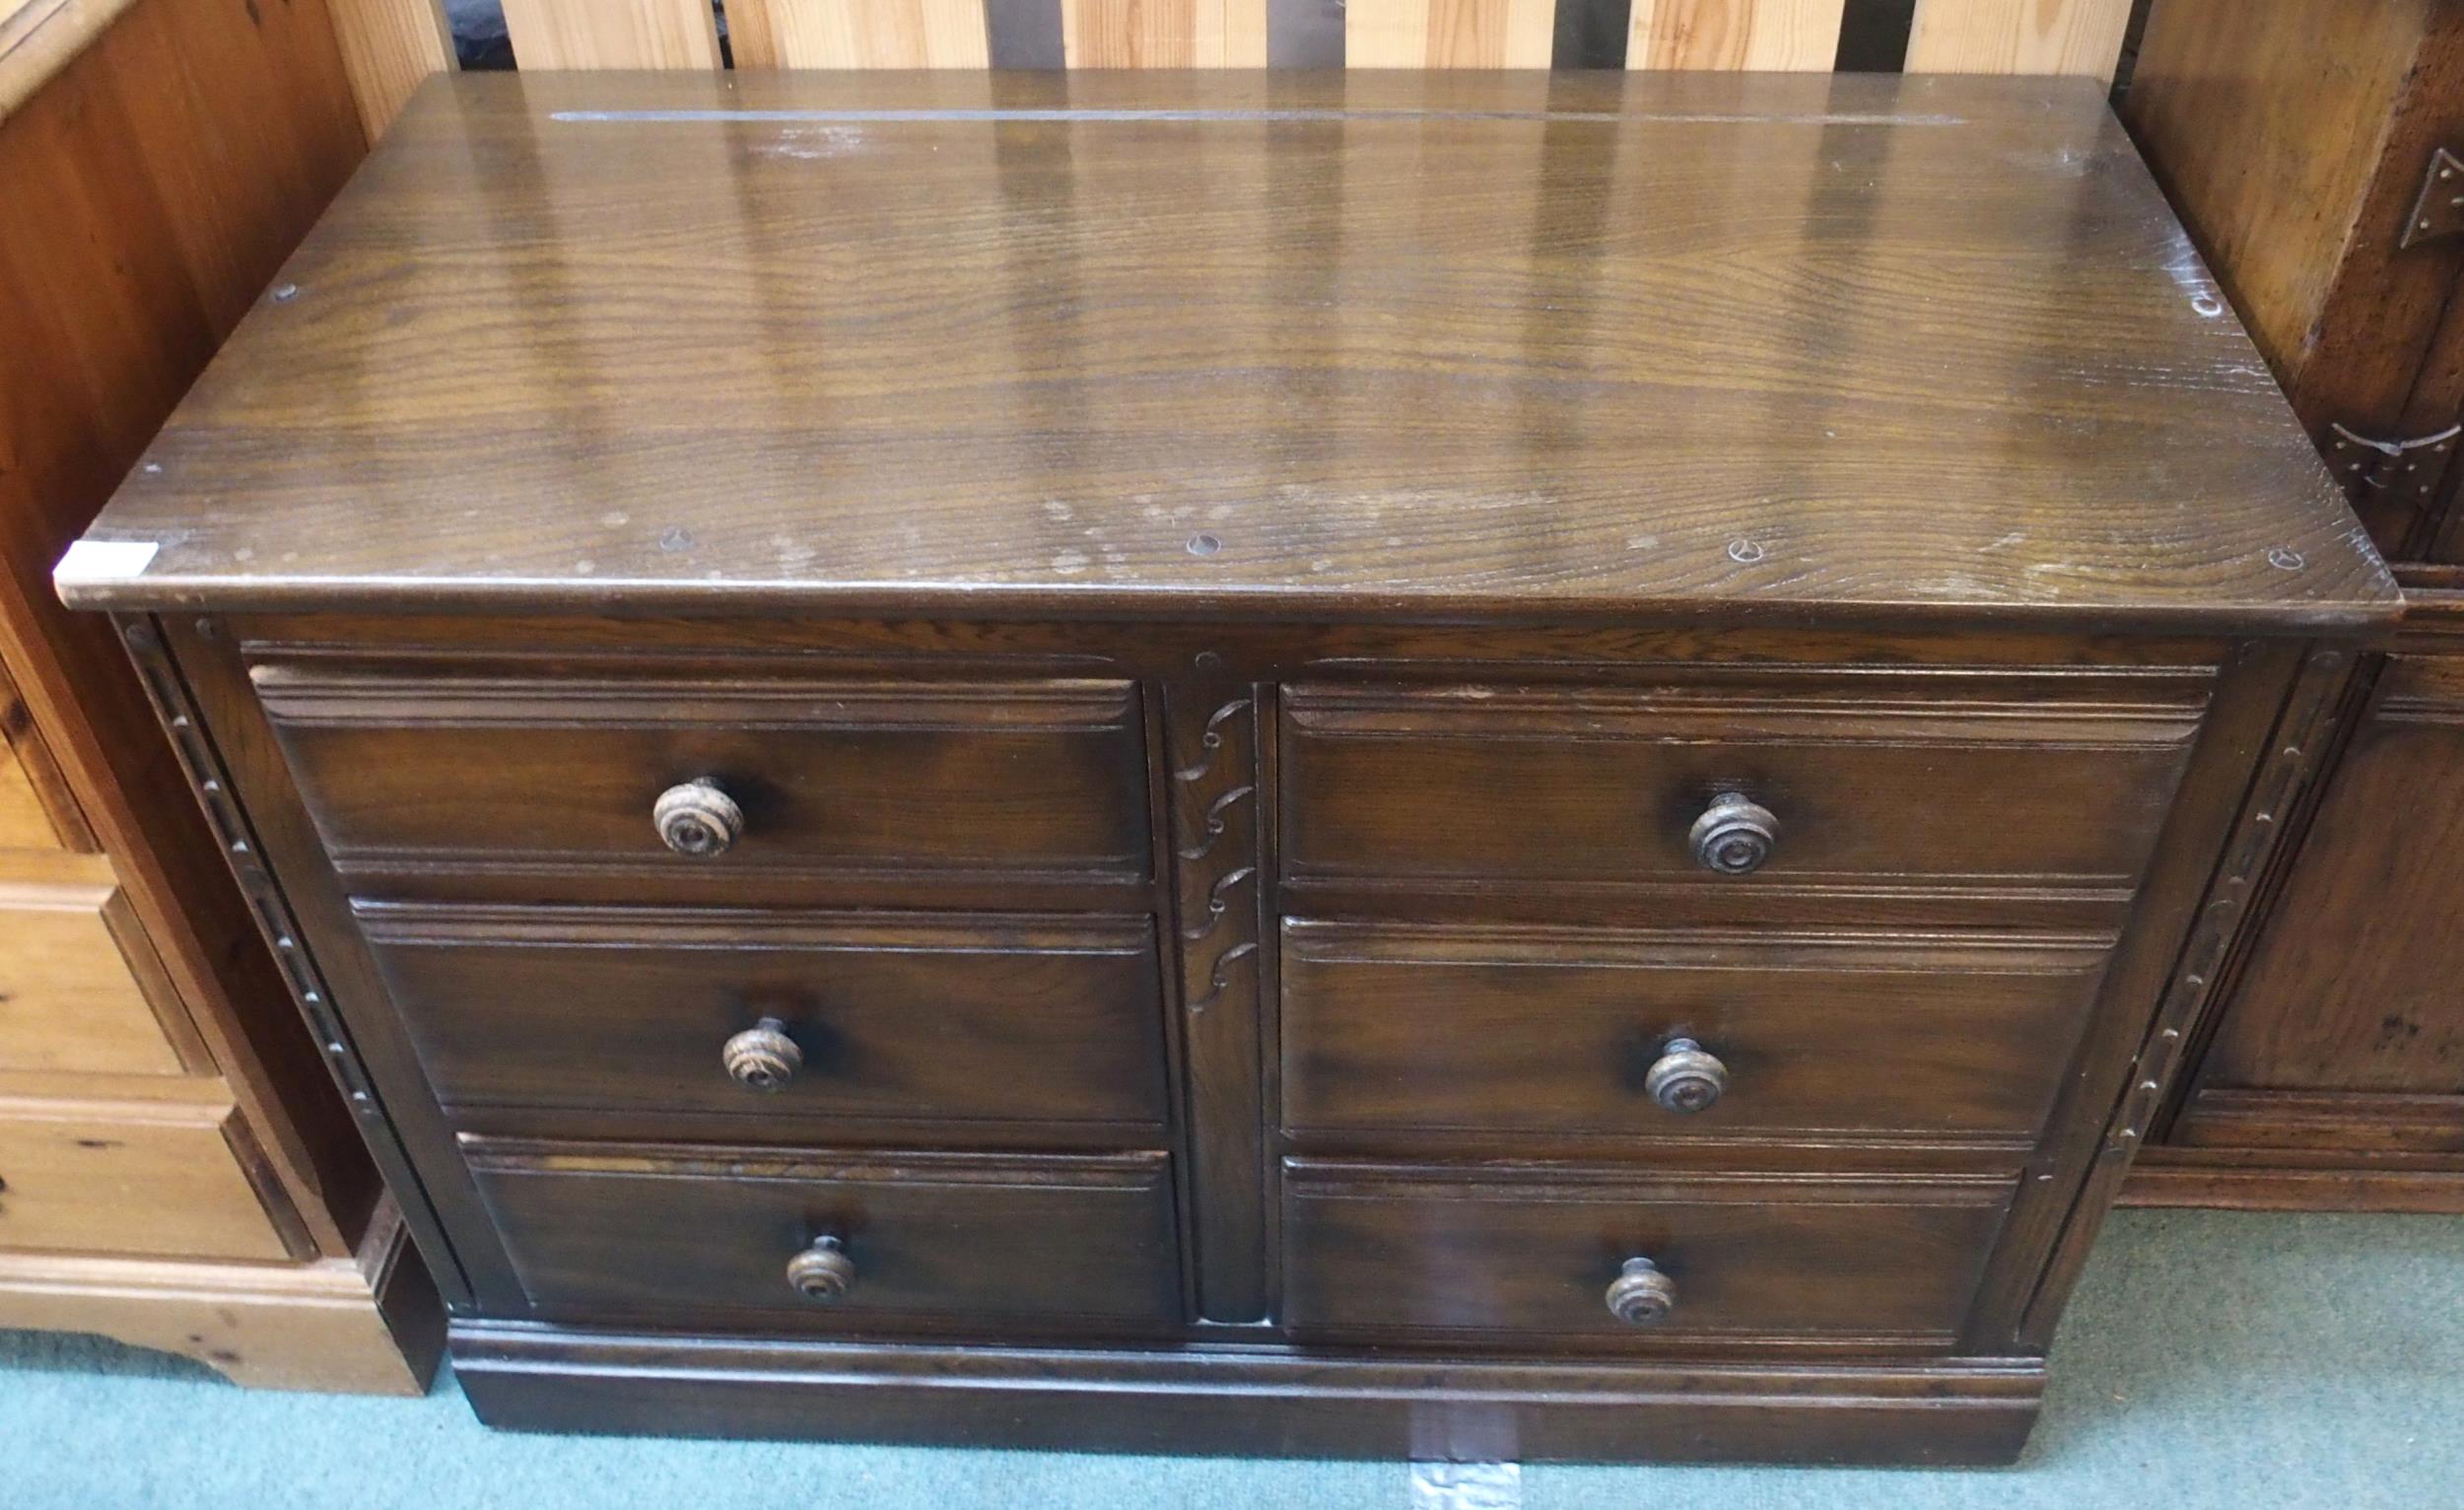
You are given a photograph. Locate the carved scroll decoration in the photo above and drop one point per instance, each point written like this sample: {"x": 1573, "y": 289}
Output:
{"x": 1211, "y": 735}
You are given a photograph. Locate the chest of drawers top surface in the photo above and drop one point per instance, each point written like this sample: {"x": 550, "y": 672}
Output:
{"x": 1166, "y": 345}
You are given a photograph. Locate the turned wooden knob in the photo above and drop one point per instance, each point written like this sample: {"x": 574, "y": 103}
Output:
{"x": 698, "y": 819}
{"x": 763, "y": 1057}
{"x": 823, "y": 1272}
{"x": 1685, "y": 1077}
{"x": 1641, "y": 1294}
{"x": 1735, "y": 835}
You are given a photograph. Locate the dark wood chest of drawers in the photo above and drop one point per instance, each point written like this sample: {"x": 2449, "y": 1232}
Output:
{"x": 1306, "y": 766}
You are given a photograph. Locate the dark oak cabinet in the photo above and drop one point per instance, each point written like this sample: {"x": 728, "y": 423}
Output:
{"x": 2312, "y": 150}
{"x": 1380, "y": 764}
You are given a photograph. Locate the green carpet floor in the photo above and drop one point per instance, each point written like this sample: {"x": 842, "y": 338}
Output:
{"x": 2210, "y": 1360}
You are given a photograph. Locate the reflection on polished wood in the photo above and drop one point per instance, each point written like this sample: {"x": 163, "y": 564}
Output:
{"x": 1581, "y": 345}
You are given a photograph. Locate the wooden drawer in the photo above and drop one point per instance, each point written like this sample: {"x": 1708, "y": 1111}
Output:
{"x": 1021, "y": 1018}
{"x": 1375, "y": 1249}
{"x": 1525, "y": 1029}
{"x": 78, "y": 976}
{"x": 149, "y": 1178}
{"x": 25, "y": 820}
{"x": 1994, "y": 782}
{"x": 36, "y": 811}
{"x": 670, "y": 1228}
{"x": 463, "y": 770}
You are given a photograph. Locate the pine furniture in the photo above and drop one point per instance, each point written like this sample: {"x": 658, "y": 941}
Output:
{"x": 177, "y": 1170}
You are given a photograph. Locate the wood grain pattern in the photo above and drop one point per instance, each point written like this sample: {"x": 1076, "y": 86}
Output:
{"x": 1001, "y": 1240}
{"x": 1375, "y": 1250}
{"x": 164, "y": 1178}
{"x": 2351, "y": 987}
{"x": 80, "y": 987}
{"x": 858, "y": 34}
{"x": 1800, "y": 36}
{"x": 1012, "y": 1018}
{"x": 1386, "y": 1406}
{"x": 389, "y": 47}
{"x": 1164, "y": 33}
{"x": 562, "y": 771}
{"x": 165, "y": 163}
{"x": 2363, "y": 1121}
{"x": 2328, "y": 1073}
{"x": 2024, "y": 37}
{"x": 2293, "y": 1179}
{"x": 39, "y": 37}
{"x": 2295, "y": 135}
{"x": 1913, "y": 418}
{"x": 365, "y": 1324}
{"x": 24, "y": 823}
{"x": 159, "y": 157}
{"x": 1459, "y": 1029}
{"x": 154, "y": 185}
{"x": 37, "y": 809}
{"x": 1448, "y": 33}
{"x": 1880, "y": 787}
{"x": 612, "y": 34}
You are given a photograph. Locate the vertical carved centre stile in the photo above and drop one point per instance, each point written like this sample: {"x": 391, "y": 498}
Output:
{"x": 1217, "y": 809}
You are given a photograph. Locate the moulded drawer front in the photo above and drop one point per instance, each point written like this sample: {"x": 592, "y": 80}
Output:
{"x": 669, "y": 1229}
{"x": 1025, "y": 1017}
{"x": 138, "y": 1178}
{"x": 1385, "y": 1248}
{"x": 2019, "y": 783}
{"x": 1544, "y": 1030}
{"x": 493, "y": 770}
{"x": 70, "y": 996}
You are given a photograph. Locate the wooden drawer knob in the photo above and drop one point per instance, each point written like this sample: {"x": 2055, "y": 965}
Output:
{"x": 762, "y": 1057}
{"x": 1735, "y": 835}
{"x": 698, "y": 818}
{"x": 822, "y": 1272}
{"x": 1641, "y": 1296}
{"x": 1685, "y": 1077}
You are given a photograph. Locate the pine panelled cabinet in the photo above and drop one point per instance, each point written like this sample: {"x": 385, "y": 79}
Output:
{"x": 1479, "y": 764}
{"x": 177, "y": 1170}
{"x": 2313, "y": 150}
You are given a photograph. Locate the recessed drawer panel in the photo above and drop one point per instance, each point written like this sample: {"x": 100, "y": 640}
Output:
{"x": 1561, "y": 1251}
{"x": 791, "y": 1016}
{"x": 1633, "y": 1033}
{"x": 162, "y": 1178}
{"x": 831, "y": 1236}
{"x": 411, "y": 768}
{"x": 1895, "y": 784}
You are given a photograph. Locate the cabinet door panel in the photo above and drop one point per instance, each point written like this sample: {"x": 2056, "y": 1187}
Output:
{"x": 2356, "y": 984}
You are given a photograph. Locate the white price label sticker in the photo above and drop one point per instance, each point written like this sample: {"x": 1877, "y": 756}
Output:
{"x": 104, "y": 560}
